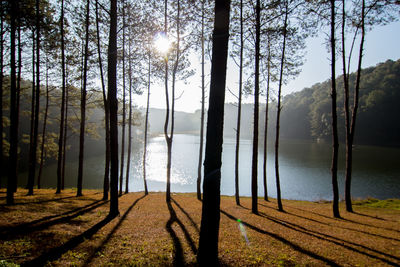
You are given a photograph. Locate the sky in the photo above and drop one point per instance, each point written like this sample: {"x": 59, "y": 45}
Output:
{"x": 381, "y": 43}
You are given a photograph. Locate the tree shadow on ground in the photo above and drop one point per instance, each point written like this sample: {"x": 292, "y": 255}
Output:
{"x": 115, "y": 228}
{"x": 349, "y": 220}
{"x": 178, "y": 250}
{"x": 192, "y": 222}
{"x": 343, "y": 227}
{"x": 332, "y": 239}
{"x": 55, "y": 253}
{"x": 26, "y": 228}
{"x": 283, "y": 240}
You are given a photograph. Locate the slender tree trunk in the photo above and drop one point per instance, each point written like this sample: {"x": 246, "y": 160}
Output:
{"x": 18, "y": 79}
{"x": 1, "y": 88}
{"x": 167, "y": 138}
{"x": 32, "y": 117}
{"x": 32, "y": 167}
{"x": 113, "y": 104}
{"x": 349, "y": 144}
{"x": 13, "y": 158}
{"x": 62, "y": 111}
{"x": 254, "y": 165}
{"x": 128, "y": 160}
{"x": 335, "y": 141}
{"x": 278, "y": 114}
{"x": 64, "y": 152}
{"x": 208, "y": 243}
{"x": 44, "y": 127}
{"x": 146, "y": 126}
{"x": 123, "y": 102}
{"x": 83, "y": 104}
{"x": 237, "y": 195}
{"x": 106, "y": 183}
{"x": 266, "y": 121}
{"x": 202, "y": 104}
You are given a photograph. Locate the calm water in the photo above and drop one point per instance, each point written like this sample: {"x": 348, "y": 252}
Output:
{"x": 304, "y": 169}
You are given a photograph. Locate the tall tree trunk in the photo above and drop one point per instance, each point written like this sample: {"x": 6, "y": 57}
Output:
{"x": 44, "y": 127}
{"x": 62, "y": 111}
{"x": 19, "y": 78}
{"x": 146, "y": 123}
{"x": 1, "y": 88}
{"x": 239, "y": 117}
{"x": 64, "y": 152}
{"x": 202, "y": 104}
{"x": 167, "y": 138}
{"x": 208, "y": 243}
{"x": 278, "y": 113}
{"x": 106, "y": 183}
{"x": 266, "y": 120}
{"x": 128, "y": 159}
{"x": 13, "y": 158}
{"x": 83, "y": 104}
{"x": 32, "y": 115}
{"x": 32, "y": 164}
{"x": 335, "y": 141}
{"x": 123, "y": 101}
{"x": 113, "y": 104}
{"x": 350, "y": 138}
{"x": 254, "y": 165}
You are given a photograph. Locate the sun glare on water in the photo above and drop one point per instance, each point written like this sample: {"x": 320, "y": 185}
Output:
{"x": 162, "y": 43}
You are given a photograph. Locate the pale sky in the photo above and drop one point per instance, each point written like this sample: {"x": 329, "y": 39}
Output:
{"x": 381, "y": 44}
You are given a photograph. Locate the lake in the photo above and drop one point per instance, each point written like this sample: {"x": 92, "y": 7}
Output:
{"x": 304, "y": 169}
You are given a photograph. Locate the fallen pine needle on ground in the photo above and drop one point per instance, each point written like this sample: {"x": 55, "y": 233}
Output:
{"x": 65, "y": 230}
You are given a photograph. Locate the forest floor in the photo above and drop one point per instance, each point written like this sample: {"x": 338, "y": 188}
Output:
{"x": 65, "y": 230}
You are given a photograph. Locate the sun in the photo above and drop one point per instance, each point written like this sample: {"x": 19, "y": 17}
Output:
{"x": 162, "y": 43}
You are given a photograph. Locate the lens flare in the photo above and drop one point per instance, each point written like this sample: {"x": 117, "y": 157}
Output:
{"x": 243, "y": 231}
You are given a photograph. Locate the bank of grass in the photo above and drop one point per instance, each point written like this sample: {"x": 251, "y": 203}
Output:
{"x": 64, "y": 230}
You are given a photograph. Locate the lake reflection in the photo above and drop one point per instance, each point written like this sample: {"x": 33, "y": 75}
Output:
{"x": 304, "y": 169}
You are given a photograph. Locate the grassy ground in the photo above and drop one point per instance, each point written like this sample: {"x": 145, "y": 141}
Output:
{"x": 64, "y": 230}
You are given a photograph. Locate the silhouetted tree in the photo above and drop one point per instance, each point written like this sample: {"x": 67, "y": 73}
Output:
{"x": 113, "y": 105}
{"x": 335, "y": 141}
{"x": 13, "y": 154}
{"x": 208, "y": 243}
{"x": 62, "y": 111}
{"x": 83, "y": 102}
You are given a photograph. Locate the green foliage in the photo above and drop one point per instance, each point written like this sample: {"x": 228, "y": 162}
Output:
{"x": 306, "y": 114}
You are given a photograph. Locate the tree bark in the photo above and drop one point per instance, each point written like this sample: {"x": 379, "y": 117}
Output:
{"x": 113, "y": 104}
{"x": 83, "y": 104}
{"x": 33, "y": 102}
{"x": 278, "y": 114}
{"x": 12, "y": 171}
{"x": 62, "y": 111}
{"x": 32, "y": 163}
{"x": 44, "y": 129}
{"x": 64, "y": 152}
{"x": 1, "y": 87}
{"x": 350, "y": 138}
{"x": 335, "y": 141}
{"x": 121, "y": 176}
{"x": 266, "y": 121}
{"x": 208, "y": 243}
{"x": 146, "y": 127}
{"x": 254, "y": 165}
{"x": 237, "y": 148}
{"x": 128, "y": 160}
{"x": 106, "y": 111}
{"x": 200, "y": 163}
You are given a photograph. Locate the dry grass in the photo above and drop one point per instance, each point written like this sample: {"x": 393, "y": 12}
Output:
{"x": 64, "y": 230}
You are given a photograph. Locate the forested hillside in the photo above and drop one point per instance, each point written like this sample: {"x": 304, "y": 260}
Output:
{"x": 306, "y": 114}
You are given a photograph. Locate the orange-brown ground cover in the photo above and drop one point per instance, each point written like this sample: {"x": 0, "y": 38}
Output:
{"x": 64, "y": 230}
